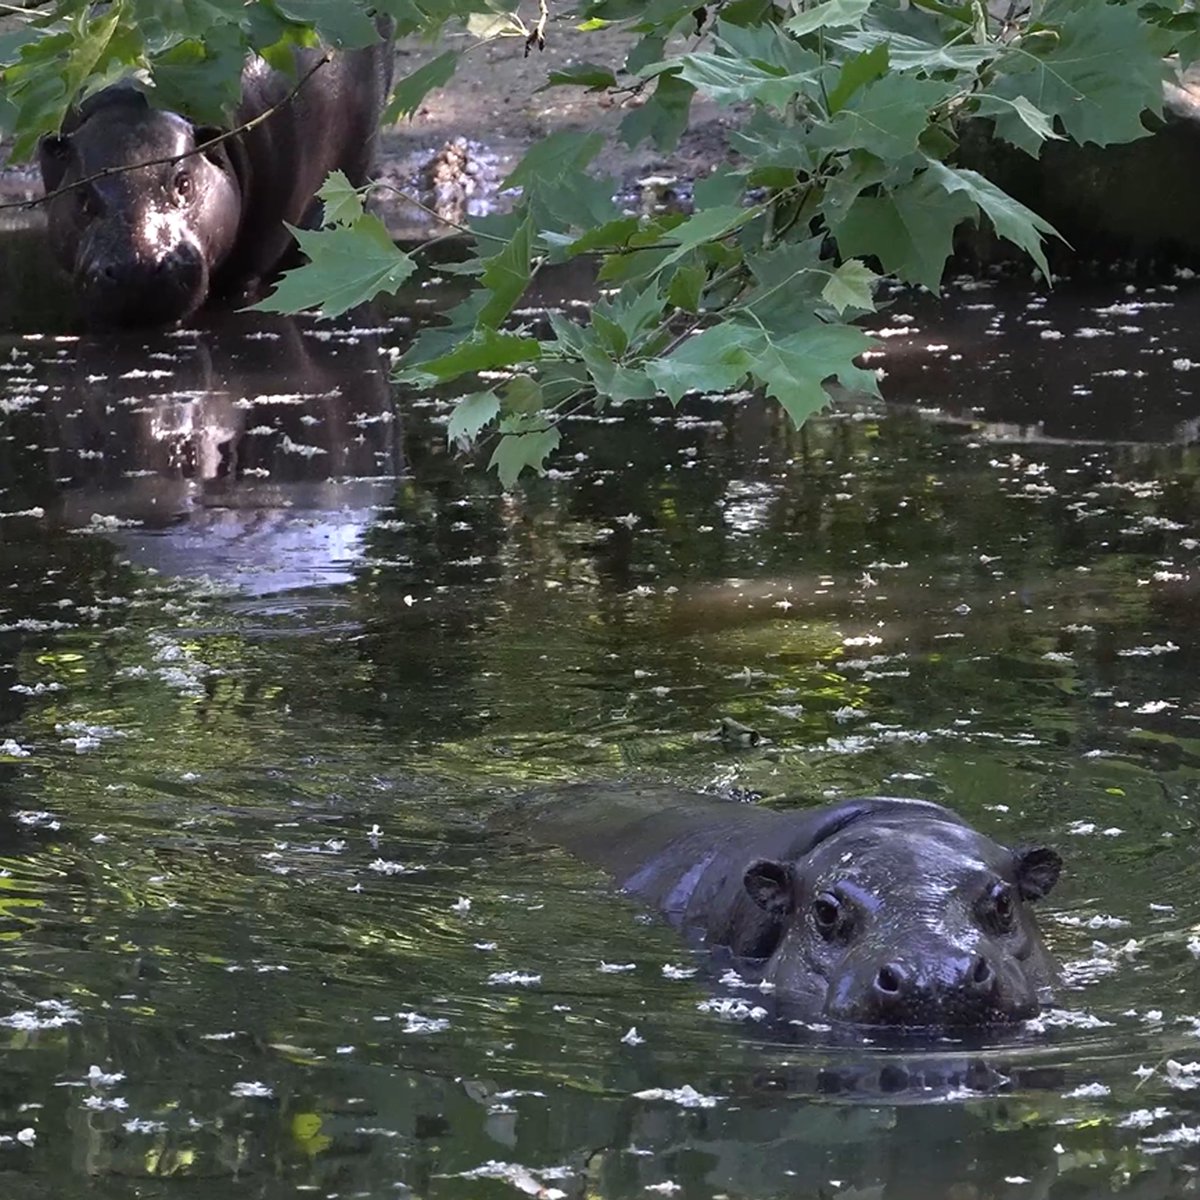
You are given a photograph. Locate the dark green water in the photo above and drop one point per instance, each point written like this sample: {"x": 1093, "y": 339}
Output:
{"x": 270, "y": 657}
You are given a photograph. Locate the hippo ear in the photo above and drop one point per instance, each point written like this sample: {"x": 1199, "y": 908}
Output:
{"x": 54, "y": 153}
{"x": 218, "y": 155}
{"x": 1037, "y": 869}
{"x": 771, "y": 886}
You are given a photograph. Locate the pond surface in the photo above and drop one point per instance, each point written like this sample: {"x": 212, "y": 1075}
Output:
{"x": 272, "y": 658}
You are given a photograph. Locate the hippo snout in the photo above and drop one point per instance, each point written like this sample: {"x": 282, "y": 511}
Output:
{"x": 959, "y": 990}
{"x": 139, "y": 289}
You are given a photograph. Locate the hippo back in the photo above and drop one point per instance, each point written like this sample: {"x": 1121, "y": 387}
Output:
{"x": 686, "y": 855}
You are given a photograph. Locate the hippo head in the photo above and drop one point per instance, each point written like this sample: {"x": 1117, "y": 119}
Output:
{"x": 140, "y": 243}
{"x": 905, "y": 917}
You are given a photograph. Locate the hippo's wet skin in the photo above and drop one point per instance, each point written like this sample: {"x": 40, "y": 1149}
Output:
{"x": 875, "y": 911}
{"x": 152, "y": 244}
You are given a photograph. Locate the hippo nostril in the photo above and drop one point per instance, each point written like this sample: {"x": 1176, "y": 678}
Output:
{"x": 981, "y": 973}
{"x": 890, "y": 979}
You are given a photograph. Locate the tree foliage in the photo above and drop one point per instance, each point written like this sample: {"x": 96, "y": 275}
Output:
{"x": 845, "y": 166}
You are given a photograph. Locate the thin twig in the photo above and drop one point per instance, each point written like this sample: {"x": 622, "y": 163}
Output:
{"x": 237, "y": 131}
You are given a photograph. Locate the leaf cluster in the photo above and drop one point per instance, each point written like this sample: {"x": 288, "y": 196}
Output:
{"x": 842, "y": 170}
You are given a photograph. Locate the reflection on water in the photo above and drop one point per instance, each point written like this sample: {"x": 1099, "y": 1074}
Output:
{"x": 270, "y": 659}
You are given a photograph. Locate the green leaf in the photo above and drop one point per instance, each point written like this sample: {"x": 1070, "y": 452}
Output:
{"x": 723, "y": 187}
{"x": 471, "y": 414}
{"x": 610, "y": 234}
{"x": 663, "y": 117}
{"x": 507, "y": 275}
{"x": 516, "y": 451}
{"x": 343, "y": 205}
{"x": 51, "y": 73}
{"x": 487, "y": 350}
{"x": 1012, "y": 220}
{"x": 729, "y": 80}
{"x": 909, "y": 53}
{"x": 553, "y": 157}
{"x": 766, "y": 45}
{"x": 487, "y": 25}
{"x": 714, "y": 360}
{"x": 633, "y": 310}
{"x": 1096, "y": 72}
{"x": 857, "y": 72}
{"x": 343, "y": 25}
{"x": 769, "y": 141}
{"x": 588, "y": 75}
{"x": 348, "y": 265}
{"x": 885, "y": 118}
{"x": 648, "y": 50}
{"x": 687, "y": 287}
{"x": 834, "y": 14}
{"x": 910, "y": 229}
{"x": 203, "y": 80}
{"x": 794, "y": 369}
{"x": 1033, "y": 119}
{"x": 789, "y": 277}
{"x": 851, "y": 285}
{"x": 410, "y": 92}
{"x": 704, "y": 226}
{"x": 521, "y": 395}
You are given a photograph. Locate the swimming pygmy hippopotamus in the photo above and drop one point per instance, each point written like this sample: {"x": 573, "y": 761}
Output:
{"x": 873, "y": 911}
{"x": 152, "y": 244}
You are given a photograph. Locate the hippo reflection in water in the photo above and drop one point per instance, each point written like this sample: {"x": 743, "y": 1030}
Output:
{"x": 877, "y": 911}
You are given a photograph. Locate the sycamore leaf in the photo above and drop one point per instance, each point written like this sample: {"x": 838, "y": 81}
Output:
{"x": 909, "y": 53}
{"x": 1096, "y": 75}
{"x": 1038, "y": 127}
{"x": 687, "y": 286}
{"x": 793, "y": 369}
{"x": 348, "y": 265}
{"x": 343, "y": 205}
{"x": 909, "y": 229}
{"x": 663, "y": 117}
{"x": 553, "y": 157}
{"x": 728, "y": 79}
{"x": 703, "y": 226}
{"x": 487, "y": 350}
{"x": 507, "y": 275}
{"x": 521, "y": 394}
{"x": 607, "y": 236}
{"x": 1012, "y": 220}
{"x": 410, "y": 92}
{"x": 714, "y": 360}
{"x": 856, "y": 73}
{"x": 471, "y": 414}
{"x": 588, "y": 75}
{"x": 482, "y": 25}
{"x": 516, "y": 451}
{"x": 884, "y": 118}
{"x": 833, "y": 14}
{"x": 850, "y": 286}
{"x": 346, "y": 26}
{"x": 789, "y": 277}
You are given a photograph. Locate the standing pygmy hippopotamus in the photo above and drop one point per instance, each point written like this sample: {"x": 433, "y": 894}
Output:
{"x": 152, "y": 244}
{"x": 873, "y": 911}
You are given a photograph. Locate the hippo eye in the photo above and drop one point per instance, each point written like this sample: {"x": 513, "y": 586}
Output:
{"x": 1001, "y": 908}
{"x": 183, "y": 184}
{"x": 827, "y": 912}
